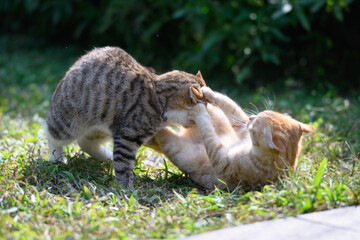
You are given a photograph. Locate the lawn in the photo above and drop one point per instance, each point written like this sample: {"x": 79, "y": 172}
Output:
{"x": 41, "y": 199}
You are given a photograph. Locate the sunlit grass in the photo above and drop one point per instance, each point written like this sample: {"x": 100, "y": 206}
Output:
{"x": 39, "y": 199}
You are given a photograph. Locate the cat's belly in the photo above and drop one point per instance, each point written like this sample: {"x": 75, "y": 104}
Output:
{"x": 238, "y": 148}
{"x": 98, "y": 133}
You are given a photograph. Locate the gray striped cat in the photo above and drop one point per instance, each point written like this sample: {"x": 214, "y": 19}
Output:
{"x": 107, "y": 95}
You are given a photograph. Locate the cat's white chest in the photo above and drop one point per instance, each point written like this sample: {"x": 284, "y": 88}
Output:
{"x": 242, "y": 146}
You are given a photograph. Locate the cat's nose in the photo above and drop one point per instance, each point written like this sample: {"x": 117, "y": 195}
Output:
{"x": 252, "y": 117}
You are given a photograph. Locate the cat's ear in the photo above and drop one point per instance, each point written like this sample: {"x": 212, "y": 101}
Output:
{"x": 274, "y": 141}
{"x": 196, "y": 94}
{"x": 279, "y": 144}
{"x": 199, "y": 75}
{"x": 306, "y": 128}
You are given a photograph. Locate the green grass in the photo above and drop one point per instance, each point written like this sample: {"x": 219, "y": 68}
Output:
{"x": 41, "y": 199}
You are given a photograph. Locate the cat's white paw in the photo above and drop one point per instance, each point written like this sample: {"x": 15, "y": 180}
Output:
{"x": 196, "y": 111}
{"x": 209, "y": 95}
{"x": 59, "y": 158}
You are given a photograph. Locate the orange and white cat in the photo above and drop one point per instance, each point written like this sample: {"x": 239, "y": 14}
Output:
{"x": 228, "y": 145}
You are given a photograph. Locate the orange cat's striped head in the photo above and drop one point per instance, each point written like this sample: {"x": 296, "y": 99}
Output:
{"x": 278, "y": 132}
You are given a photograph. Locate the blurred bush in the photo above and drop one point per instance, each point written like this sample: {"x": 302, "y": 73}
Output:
{"x": 247, "y": 43}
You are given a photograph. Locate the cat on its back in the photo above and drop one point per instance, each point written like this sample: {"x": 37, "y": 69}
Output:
{"x": 228, "y": 145}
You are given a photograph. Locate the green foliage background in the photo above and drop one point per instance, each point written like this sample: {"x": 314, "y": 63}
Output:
{"x": 246, "y": 43}
{"x": 294, "y": 56}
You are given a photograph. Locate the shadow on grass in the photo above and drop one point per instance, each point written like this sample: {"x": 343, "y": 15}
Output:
{"x": 59, "y": 178}
{"x": 82, "y": 172}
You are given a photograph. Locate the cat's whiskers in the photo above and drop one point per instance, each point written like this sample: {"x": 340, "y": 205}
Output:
{"x": 253, "y": 112}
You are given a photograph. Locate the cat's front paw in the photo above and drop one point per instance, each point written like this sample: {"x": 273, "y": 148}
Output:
{"x": 196, "y": 111}
{"x": 209, "y": 95}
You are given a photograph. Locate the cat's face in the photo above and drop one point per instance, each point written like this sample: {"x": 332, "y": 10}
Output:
{"x": 188, "y": 97}
{"x": 185, "y": 98}
{"x": 276, "y": 131}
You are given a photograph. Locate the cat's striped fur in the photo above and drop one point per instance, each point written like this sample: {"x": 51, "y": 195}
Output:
{"x": 107, "y": 94}
{"x": 226, "y": 144}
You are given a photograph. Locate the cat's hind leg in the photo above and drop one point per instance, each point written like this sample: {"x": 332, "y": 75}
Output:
{"x": 176, "y": 143}
{"x": 93, "y": 146}
{"x": 186, "y": 151}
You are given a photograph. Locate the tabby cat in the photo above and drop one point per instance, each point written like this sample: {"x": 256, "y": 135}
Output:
{"x": 107, "y": 94}
{"x": 228, "y": 145}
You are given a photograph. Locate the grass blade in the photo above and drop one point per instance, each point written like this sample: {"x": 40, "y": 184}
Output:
{"x": 320, "y": 173}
